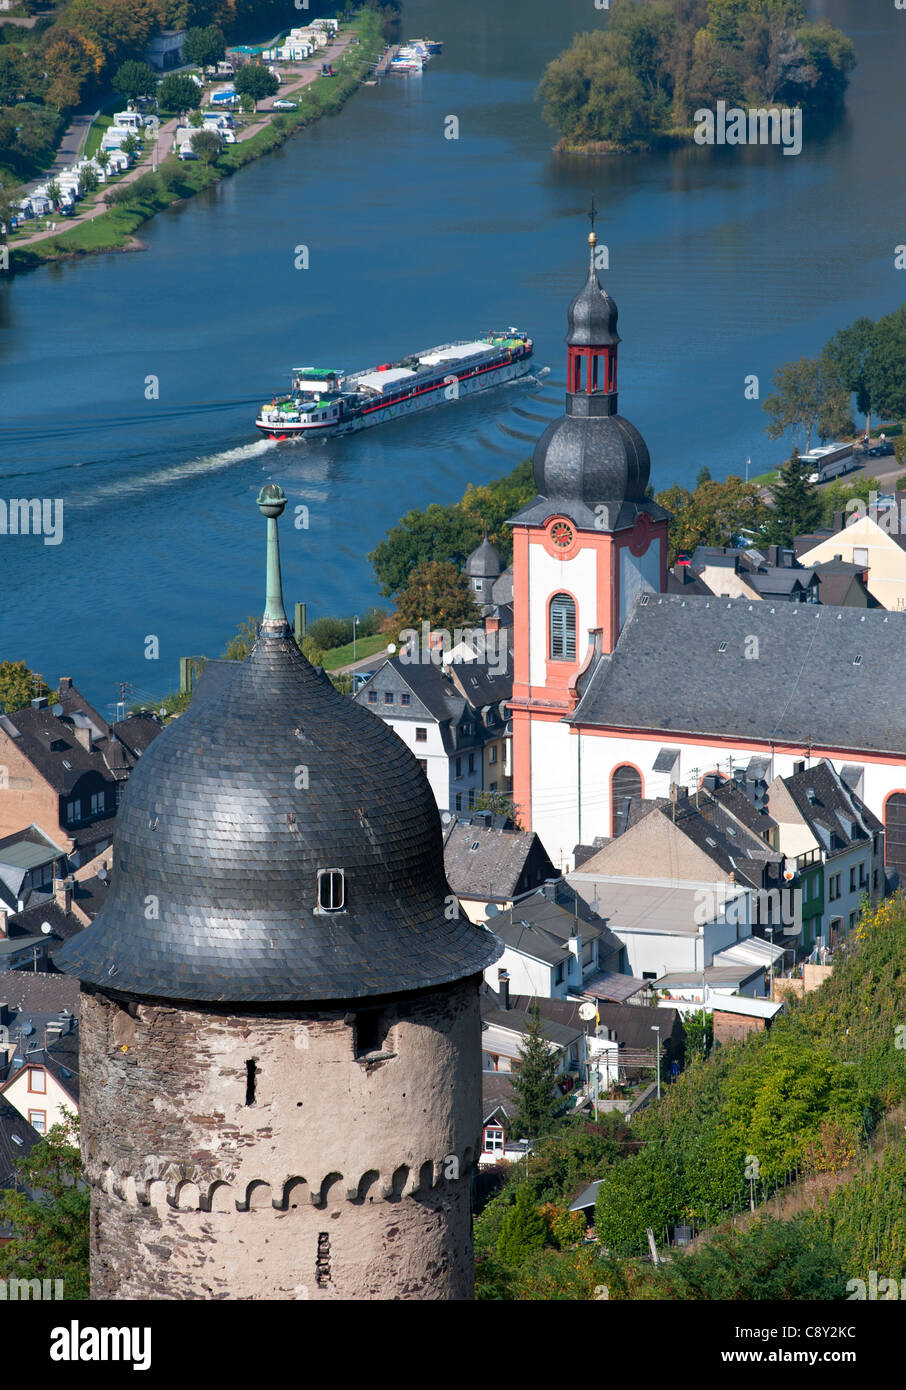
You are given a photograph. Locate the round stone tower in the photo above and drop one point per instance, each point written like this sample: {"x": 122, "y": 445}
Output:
{"x": 280, "y": 1039}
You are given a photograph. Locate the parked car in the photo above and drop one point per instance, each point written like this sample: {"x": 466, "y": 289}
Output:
{"x": 187, "y": 153}
{"x": 284, "y": 105}
{"x": 880, "y": 451}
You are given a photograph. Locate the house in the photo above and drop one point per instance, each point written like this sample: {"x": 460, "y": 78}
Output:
{"x": 488, "y": 861}
{"x": 42, "y": 1072}
{"x": 553, "y": 943}
{"x": 66, "y": 768}
{"x": 17, "y": 1139}
{"x": 843, "y": 585}
{"x": 498, "y": 1108}
{"x": 873, "y": 539}
{"x": 29, "y": 863}
{"x": 164, "y": 52}
{"x": 822, "y": 821}
{"x": 670, "y": 926}
{"x": 505, "y": 1023}
{"x": 426, "y": 708}
{"x": 482, "y": 569}
{"x": 621, "y": 1036}
{"x": 748, "y": 573}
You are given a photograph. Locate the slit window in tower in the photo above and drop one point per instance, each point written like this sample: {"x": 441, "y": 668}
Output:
{"x": 370, "y": 1031}
{"x": 562, "y": 628}
{"x": 251, "y": 1072}
{"x": 331, "y": 890}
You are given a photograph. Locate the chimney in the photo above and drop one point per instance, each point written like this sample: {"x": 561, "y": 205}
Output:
{"x": 40, "y": 702}
{"x": 839, "y": 522}
{"x": 65, "y": 684}
{"x": 492, "y": 624}
{"x": 798, "y": 767}
{"x": 83, "y": 736}
{"x": 62, "y": 893}
{"x": 503, "y": 987}
{"x": 773, "y": 555}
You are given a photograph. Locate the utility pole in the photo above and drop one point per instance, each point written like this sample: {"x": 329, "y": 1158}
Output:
{"x": 656, "y": 1028}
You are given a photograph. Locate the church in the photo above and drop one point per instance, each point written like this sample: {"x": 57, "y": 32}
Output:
{"x": 621, "y": 689}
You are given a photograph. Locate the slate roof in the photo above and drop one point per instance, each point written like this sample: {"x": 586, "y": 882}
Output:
{"x": 216, "y": 825}
{"x": 668, "y": 673}
{"x": 517, "y": 1019}
{"x": 35, "y": 731}
{"x": 25, "y": 925}
{"x": 62, "y": 1061}
{"x": 541, "y": 928}
{"x": 494, "y": 869}
{"x": 31, "y": 993}
{"x": 485, "y": 562}
{"x": 497, "y": 1094}
{"x": 832, "y": 808}
{"x": 630, "y": 1024}
{"x": 12, "y": 1123}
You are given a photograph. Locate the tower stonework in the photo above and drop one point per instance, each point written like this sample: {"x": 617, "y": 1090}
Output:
{"x": 280, "y": 1048}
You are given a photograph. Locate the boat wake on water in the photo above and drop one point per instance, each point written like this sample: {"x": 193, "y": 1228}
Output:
{"x": 174, "y": 475}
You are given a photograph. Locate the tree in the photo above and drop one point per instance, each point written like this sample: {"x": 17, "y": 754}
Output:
{"x": 769, "y": 1260}
{"x": 886, "y": 367}
{"x": 246, "y": 105}
{"x": 256, "y": 82}
{"x": 522, "y": 1232}
{"x": 238, "y": 647}
{"x": 131, "y": 145}
{"x": 48, "y": 1212}
{"x": 103, "y": 159}
{"x": 439, "y": 594}
{"x": 204, "y": 46}
{"x": 714, "y": 514}
{"x": 498, "y": 804}
{"x": 703, "y": 475}
{"x": 538, "y": 1103}
{"x": 196, "y": 119}
{"x": 54, "y": 193}
{"x": 133, "y": 79}
{"x": 699, "y": 1028}
{"x": 798, "y": 399}
{"x": 88, "y": 180}
{"x": 19, "y": 686}
{"x": 178, "y": 92}
{"x": 849, "y": 354}
{"x": 797, "y": 503}
{"x": 206, "y": 144}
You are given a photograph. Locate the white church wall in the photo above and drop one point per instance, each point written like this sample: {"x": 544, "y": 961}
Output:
{"x": 549, "y": 576}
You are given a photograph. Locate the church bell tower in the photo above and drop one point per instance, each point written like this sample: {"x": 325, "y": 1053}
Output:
{"x": 583, "y": 549}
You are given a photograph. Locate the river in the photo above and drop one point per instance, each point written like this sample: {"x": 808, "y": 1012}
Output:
{"x": 723, "y": 263}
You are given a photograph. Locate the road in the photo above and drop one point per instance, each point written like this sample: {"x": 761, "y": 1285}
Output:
{"x": 304, "y": 74}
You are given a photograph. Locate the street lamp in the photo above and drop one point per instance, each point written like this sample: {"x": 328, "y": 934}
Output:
{"x": 355, "y": 623}
{"x": 656, "y": 1028}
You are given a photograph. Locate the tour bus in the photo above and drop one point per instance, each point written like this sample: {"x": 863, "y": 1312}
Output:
{"x": 830, "y": 461}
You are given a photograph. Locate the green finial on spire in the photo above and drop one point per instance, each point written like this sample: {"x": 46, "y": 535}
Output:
{"x": 271, "y": 501}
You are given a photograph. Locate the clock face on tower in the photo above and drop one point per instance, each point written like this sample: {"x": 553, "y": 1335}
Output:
{"x": 561, "y": 534}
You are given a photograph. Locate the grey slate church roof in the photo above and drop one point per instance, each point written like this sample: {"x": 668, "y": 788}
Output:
{"x": 219, "y": 840}
{"x": 805, "y": 686}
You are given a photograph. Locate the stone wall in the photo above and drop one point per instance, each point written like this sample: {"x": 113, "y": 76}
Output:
{"x": 254, "y": 1156}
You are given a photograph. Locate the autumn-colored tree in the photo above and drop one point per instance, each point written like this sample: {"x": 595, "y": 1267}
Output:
{"x": 439, "y": 594}
{"x": 73, "y": 62}
{"x": 714, "y": 514}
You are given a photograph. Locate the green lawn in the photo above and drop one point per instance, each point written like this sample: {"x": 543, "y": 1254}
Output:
{"x": 365, "y": 646}
{"x": 96, "y": 135}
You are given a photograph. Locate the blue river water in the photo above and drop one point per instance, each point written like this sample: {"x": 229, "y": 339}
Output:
{"x": 724, "y": 262}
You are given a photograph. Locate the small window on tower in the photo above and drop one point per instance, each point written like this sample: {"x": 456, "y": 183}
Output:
{"x": 331, "y": 890}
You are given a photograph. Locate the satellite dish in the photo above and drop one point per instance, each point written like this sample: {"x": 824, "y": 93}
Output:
{"x": 102, "y": 874}
{"x": 27, "y": 1029}
{"x": 162, "y": 712}
{"x": 46, "y": 928}
{"x": 391, "y": 647}
{"x": 491, "y": 910}
{"x": 445, "y": 817}
{"x": 587, "y": 1012}
{"x": 57, "y": 710}
{"x": 789, "y": 869}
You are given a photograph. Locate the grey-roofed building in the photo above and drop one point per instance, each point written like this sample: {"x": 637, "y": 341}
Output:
{"x": 279, "y": 1011}
{"x": 553, "y": 941}
{"x": 66, "y": 769}
{"x": 483, "y": 567}
{"x": 29, "y": 862}
{"x": 488, "y": 862}
{"x": 505, "y": 1027}
{"x": 17, "y": 1139}
{"x": 823, "y": 822}
{"x": 843, "y": 584}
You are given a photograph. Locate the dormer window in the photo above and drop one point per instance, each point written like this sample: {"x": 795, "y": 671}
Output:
{"x": 331, "y": 890}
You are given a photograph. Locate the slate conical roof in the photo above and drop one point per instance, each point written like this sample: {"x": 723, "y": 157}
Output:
{"x": 225, "y": 823}
{"x": 485, "y": 562}
{"x": 592, "y": 315}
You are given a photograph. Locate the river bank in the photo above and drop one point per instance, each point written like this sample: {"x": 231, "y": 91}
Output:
{"x": 102, "y": 228}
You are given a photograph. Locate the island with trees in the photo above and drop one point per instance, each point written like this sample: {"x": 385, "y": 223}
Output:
{"x": 636, "y": 83}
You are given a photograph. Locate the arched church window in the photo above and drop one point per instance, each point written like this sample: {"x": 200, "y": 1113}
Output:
{"x": 625, "y": 787}
{"x": 331, "y": 890}
{"x": 895, "y": 834}
{"x": 563, "y": 628}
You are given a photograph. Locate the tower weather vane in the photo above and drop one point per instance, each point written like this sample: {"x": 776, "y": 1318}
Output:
{"x": 592, "y": 212}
